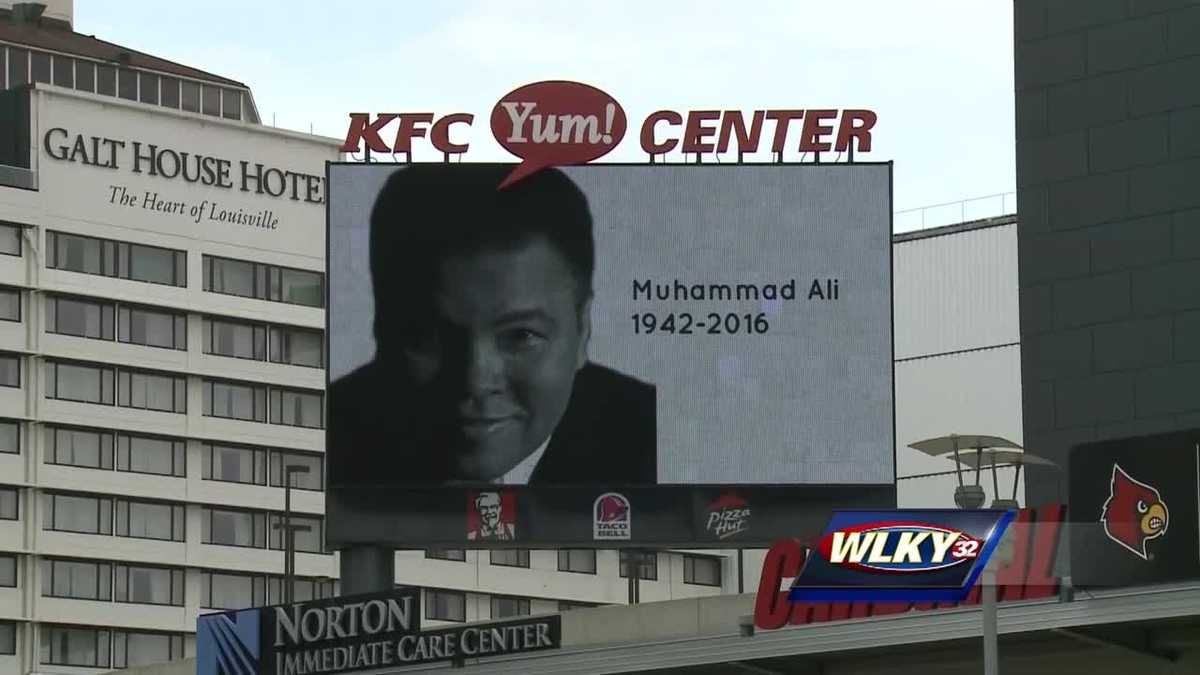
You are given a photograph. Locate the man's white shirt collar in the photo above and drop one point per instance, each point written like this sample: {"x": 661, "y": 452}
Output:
{"x": 520, "y": 474}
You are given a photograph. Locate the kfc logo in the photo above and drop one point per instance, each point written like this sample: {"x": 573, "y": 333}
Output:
{"x": 492, "y": 516}
{"x": 728, "y": 516}
{"x": 612, "y": 518}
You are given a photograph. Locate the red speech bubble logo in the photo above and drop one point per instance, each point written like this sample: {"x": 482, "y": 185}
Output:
{"x": 556, "y": 122}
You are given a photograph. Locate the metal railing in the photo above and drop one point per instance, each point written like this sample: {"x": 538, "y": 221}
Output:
{"x": 950, "y": 213}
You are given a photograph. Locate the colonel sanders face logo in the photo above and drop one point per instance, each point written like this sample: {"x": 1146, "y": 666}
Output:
{"x": 1134, "y": 513}
{"x": 491, "y": 519}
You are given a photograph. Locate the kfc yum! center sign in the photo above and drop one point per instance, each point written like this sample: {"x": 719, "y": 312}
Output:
{"x": 559, "y": 123}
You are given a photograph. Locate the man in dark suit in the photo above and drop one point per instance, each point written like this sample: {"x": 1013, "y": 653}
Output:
{"x": 482, "y": 322}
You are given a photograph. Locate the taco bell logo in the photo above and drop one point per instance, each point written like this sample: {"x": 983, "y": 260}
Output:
{"x": 728, "y": 516}
{"x": 611, "y": 517}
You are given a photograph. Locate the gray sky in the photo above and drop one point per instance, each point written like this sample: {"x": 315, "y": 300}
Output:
{"x": 938, "y": 72}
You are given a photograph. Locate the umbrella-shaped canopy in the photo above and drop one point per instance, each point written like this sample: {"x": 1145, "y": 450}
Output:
{"x": 948, "y": 444}
{"x": 990, "y": 457}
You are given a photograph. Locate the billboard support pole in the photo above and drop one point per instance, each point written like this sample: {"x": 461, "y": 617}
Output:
{"x": 991, "y": 660}
{"x": 365, "y": 569}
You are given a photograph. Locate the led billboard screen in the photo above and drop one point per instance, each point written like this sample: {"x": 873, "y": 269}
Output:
{"x": 607, "y": 328}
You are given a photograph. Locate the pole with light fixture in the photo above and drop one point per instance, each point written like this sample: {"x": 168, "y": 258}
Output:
{"x": 289, "y": 531}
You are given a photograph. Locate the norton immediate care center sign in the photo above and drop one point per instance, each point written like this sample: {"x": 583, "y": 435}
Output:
{"x": 557, "y": 122}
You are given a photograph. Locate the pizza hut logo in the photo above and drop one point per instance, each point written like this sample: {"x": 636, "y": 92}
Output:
{"x": 728, "y": 516}
{"x": 611, "y": 517}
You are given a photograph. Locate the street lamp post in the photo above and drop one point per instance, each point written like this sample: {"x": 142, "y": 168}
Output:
{"x": 289, "y": 530}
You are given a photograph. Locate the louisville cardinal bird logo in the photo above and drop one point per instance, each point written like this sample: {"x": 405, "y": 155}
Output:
{"x": 1134, "y": 513}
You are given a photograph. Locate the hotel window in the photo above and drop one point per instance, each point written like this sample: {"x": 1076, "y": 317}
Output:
{"x": 150, "y": 520}
{"x": 151, "y": 391}
{"x": 85, "y": 75}
{"x": 127, "y": 84}
{"x": 233, "y": 528}
{"x": 39, "y": 67}
{"x": 18, "y": 67}
{"x": 148, "y": 585}
{"x": 10, "y": 239}
{"x": 136, "y": 648}
{"x": 647, "y": 565}
{"x": 456, "y": 554}
{"x": 153, "y": 328}
{"x": 81, "y": 317}
{"x": 170, "y": 92}
{"x": 297, "y": 346}
{"x": 445, "y": 605}
{"x": 568, "y": 605}
{"x": 8, "y": 570}
{"x": 79, "y": 447}
{"x": 233, "y": 464}
{"x": 10, "y": 370}
{"x": 311, "y": 540}
{"x": 78, "y": 579}
{"x": 106, "y": 80}
{"x": 231, "y": 104}
{"x": 510, "y": 557}
{"x": 210, "y": 100}
{"x": 151, "y": 454}
{"x": 103, "y": 257}
{"x": 10, "y": 436}
{"x": 10, "y": 503}
{"x": 304, "y": 590}
{"x": 73, "y": 646}
{"x": 8, "y": 632}
{"x": 582, "y": 560}
{"x": 504, "y": 608}
{"x": 219, "y": 590}
{"x": 702, "y": 570}
{"x": 77, "y": 513}
{"x": 262, "y": 281}
{"x": 74, "y": 382}
{"x": 189, "y": 96}
{"x": 10, "y": 304}
{"x": 64, "y": 71}
{"x": 225, "y": 337}
{"x": 313, "y": 480}
{"x": 297, "y": 408}
{"x": 235, "y": 401}
{"x": 148, "y": 88}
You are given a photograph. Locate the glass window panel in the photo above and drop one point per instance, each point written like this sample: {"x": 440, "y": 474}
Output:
{"x": 10, "y": 436}
{"x": 10, "y": 370}
{"x": 106, "y": 80}
{"x": 144, "y": 454}
{"x": 234, "y": 464}
{"x": 8, "y": 629}
{"x": 143, "y": 649}
{"x": 72, "y": 382}
{"x": 8, "y": 571}
{"x": 148, "y": 91}
{"x": 79, "y": 317}
{"x": 189, "y": 96}
{"x": 307, "y": 541}
{"x": 150, "y": 585}
{"x": 149, "y": 327}
{"x": 647, "y": 565}
{"x": 74, "y": 646}
{"x": 10, "y": 305}
{"x": 235, "y": 528}
{"x": 151, "y": 521}
{"x": 10, "y": 239}
{"x": 156, "y": 265}
{"x": 513, "y": 557}
{"x": 10, "y": 504}
{"x": 39, "y": 67}
{"x": 127, "y": 84}
{"x": 170, "y": 92}
{"x": 503, "y": 608}
{"x": 18, "y": 67}
{"x": 71, "y": 513}
{"x": 296, "y": 346}
{"x": 150, "y": 392}
{"x": 312, "y": 480}
{"x": 445, "y": 605}
{"x": 232, "y": 591}
{"x": 79, "y": 254}
{"x": 233, "y": 277}
{"x": 79, "y": 447}
{"x": 300, "y": 287}
{"x": 231, "y": 104}
{"x": 702, "y": 570}
{"x": 85, "y": 75}
{"x": 76, "y": 579}
{"x": 210, "y": 100}
{"x": 456, "y": 554}
{"x": 577, "y": 560}
{"x": 64, "y": 71}
{"x": 237, "y": 401}
{"x": 231, "y": 338}
{"x": 296, "y": 408}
